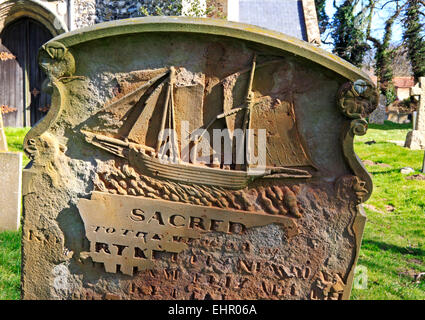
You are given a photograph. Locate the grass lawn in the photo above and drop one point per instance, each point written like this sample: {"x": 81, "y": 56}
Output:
{"x": 10, "y": 265}
{"x": 393, "y": 249}
{"x": 10, "y": 242}
{"x": 15, "y": 139}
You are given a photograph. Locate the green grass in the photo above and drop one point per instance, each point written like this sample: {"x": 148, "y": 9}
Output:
{"x": 393, "y": 248}
{"x": 10, "y": 242}
{"x": 15, "y": 138}
{"x": 10, "y": 265}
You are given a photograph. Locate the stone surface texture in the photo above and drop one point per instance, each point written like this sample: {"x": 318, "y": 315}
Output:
{"x": 10, "y": 190}
{"x": 82, "y": 166}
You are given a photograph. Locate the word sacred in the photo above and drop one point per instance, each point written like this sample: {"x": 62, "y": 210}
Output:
{"x": 146, "y": 218}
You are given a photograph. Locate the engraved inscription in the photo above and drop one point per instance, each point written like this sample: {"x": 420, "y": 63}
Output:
{"x": 129, "y": 233}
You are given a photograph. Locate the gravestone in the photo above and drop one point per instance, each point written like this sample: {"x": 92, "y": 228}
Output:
{"x": 379, "y": 115}
{"x": 137, "y": 189}
{"x": 10, "y": 185}
{"x": 415, "y": 139}
{"x": 296, "y": 18}
{"x": 396, "y": 116}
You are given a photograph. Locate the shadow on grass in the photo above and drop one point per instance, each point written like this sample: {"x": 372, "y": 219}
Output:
{"x": 388, "y": 125}
{"x": 371, "y": 244}
{"x": 371, "y": 144}
{"x": 397, "y": 170}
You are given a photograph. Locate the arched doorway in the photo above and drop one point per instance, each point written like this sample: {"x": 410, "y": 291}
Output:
{"x": 20, "y": 77}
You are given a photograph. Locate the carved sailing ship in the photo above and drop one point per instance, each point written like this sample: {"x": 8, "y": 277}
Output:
{"x": 166, "y": 163}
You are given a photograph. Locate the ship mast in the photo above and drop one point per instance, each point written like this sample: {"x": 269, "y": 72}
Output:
{"x": 247, "y": 108}
{"x": 168, "y": 111}
{"x": 249, "y": 100}
{"x": 174, "y": 150}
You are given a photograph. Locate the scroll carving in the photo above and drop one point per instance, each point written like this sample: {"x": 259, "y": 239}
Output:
{"x": 356, "y": 100}
{"x": 56, "y": 60}
{"x": 59, "y": 65}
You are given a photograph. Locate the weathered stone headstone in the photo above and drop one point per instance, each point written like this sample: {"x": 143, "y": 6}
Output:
{"x": 127, "y": 198}
{"x": 379, "y": 115}
{"x": 296, "y": 18}
{"x": 10, "y": 185}
{"x": 415, "y": 139}
{"x": 10, "y": 190}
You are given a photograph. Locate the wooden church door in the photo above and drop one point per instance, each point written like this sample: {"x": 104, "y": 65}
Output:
{"x": 21, "y": 96}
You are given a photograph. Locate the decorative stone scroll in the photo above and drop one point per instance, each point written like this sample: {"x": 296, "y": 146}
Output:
{"x": 194, "y": 159}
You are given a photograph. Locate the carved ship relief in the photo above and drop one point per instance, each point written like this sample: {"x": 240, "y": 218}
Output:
{"x": 158, "y": 161}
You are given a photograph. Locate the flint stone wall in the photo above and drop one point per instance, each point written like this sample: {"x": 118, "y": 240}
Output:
{"x": 89, "y": 12}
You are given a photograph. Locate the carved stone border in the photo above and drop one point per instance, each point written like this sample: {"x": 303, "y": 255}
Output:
{"x": 356, "y": 100}
{"x": 59, "y": 65}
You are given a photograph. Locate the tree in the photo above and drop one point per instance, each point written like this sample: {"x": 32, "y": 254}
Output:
{"x": 401, "y": 63}
{"x": 384, "y": 52}
{"x": 347, "y": 34}
{"x": 414, "y": 38}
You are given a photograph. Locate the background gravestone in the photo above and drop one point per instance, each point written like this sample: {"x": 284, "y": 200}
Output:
{"x": 379, "y": 115}
{"x": 107, "y": 216}
{"x": 10, "y": 185}
{"x": 415, "y": 139}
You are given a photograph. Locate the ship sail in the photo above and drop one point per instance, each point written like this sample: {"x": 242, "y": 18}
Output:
{"x": 270, "y": 111}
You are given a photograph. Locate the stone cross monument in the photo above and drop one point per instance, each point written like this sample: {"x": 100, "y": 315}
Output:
{"x": 415, "y": 139}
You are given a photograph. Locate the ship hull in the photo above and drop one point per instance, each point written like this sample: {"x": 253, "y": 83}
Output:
{"x": 188, "y": 173}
